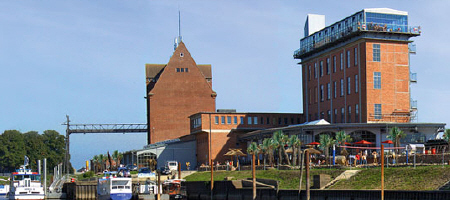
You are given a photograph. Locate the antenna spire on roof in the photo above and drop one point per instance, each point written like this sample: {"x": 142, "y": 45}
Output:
{"x": 179, "y": 38}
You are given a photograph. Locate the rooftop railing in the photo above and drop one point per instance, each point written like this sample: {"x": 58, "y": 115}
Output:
{"x": 329, "y": 35}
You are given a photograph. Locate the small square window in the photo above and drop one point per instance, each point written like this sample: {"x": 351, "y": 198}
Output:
{"x": 178, "y": 69}
{"x": 182, "y": 69}
{"x": 186, "y": 69}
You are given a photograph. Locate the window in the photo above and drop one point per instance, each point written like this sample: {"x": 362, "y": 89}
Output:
{"x": 181, "y": 69}
{"x": 349, "y": 114}
{"x": 321, "y": 68}
{"x": 335, "y": 91}
{"x": 342, "y": 87}
{"x": 335, "y": 115}
{"x": 377, "y": 80}
{"x": 321, "y": 92}
{"x": 334, "y": 64}
{"x": 376, "y": 52}
{"x": 229, "y": 120}
{"x": 349, "y": 85}
{"x": 356, "y": 56}
{"x": 186, "y": 69}
{"x": 262, "y": 120}
{"x": 255, "y": 120}
{"x": 356, "y": 113}
{"x": 242, "y": 120}
{"x": 309, "y": 72}
{"x": 235, "y": 119}
{"x": 268, "y": 120}
{"x": 348, "y": 59}
{"x": 356, "y": 83}
{"x": 329, "y": 115}
{"x": 342, "y": 61}
{"x": 279, "y": 121}
{"x": 315, "y": 94}
{"x": 216, "y": 120}
{"x": 249, "y": 120}
{"x": 328, "y": 66}
{"x": 315, "y": 70}
{"x": 342, "y": 115}
{"x": 223, "y": 120}
{"x": 285, "y": 120}
{"x": 377, "y": 111}
{"x": 329, "y": 91}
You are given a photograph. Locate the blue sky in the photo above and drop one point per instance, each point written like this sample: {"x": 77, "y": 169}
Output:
{"x": 86, "y": 59}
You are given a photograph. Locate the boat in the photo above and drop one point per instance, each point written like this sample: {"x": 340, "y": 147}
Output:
{"x": 4, "y": 189}
{"x": 174, "y": 188}
{"x": 115, "y": 188}
{"x": 25, "y": 184}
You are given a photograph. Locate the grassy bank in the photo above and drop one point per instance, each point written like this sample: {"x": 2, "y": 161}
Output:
{"x": 396, "y": 178}
{"x": 289, "y": 179}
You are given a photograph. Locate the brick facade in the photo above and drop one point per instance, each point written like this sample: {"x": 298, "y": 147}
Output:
{"x": 340, "y": 88}
{"x": 226, "y": 127}
{"x": 174, "y": 92}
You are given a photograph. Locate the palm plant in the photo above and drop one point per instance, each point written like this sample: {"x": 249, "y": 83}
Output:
{"x": 264, "y": 148}
{"x": 95, "y": 159}
{"x": 278, "y": 143}
{"x": 342, "y": 138}
{"x": 295, "y": 143}
{"x": 285, "y": 141}
{"x": 101, "y": 159}
{"x": 447, "y": 137}
{"x": 326, "y": 141}
{"x": 396, "y": 134}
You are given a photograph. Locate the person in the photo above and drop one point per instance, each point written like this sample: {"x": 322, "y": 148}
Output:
{"x": 364, "y": 159}
{"x": 357, "y": 159}
{"x": 393, "y": 157}
{"x": 188, "y": 164}
{"x": 375, "y": 154}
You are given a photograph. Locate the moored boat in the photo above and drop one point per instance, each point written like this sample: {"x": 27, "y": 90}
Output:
{"x": 115, "y": 188}
{"x": 25, "y": 184}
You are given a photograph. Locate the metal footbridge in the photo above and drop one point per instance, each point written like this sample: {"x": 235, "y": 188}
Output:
{"x": 97, "y": 128}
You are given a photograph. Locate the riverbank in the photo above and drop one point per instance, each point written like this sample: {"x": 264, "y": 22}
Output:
{"x": 396, "y": 178}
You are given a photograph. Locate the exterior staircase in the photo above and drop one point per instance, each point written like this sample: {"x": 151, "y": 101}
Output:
{"x": 446, "y": 186}
{"x": 345, "y": 175}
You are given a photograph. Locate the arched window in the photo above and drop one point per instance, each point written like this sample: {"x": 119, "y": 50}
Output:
{"x": 332, "y": 134}
{"x": 363, "y": 135}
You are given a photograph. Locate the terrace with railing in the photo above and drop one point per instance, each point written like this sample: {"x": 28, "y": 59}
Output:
{"x": 354, "y": 25}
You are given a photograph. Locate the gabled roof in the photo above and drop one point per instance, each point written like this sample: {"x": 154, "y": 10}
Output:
{"x": 152, "y": 70}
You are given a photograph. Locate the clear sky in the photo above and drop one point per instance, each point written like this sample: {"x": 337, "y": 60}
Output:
{"x": 86, "y": 59}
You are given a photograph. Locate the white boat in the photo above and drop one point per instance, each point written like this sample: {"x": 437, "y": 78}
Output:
{"x": 4, "y": 189}
{"x": 115, "y": 188}
{"x": 25, "y": 184}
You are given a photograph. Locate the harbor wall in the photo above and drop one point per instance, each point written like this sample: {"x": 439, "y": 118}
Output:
{"x": 224, "y": 190}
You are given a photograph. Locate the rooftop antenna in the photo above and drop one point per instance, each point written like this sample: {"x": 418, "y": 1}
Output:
{"x": 178, "y": 39}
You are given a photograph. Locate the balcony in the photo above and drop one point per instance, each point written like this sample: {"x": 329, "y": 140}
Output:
{"x": 413, "y": 104}
{"x": 330, "y": 35}
{"x": 413, "y": 77}
{"x": 412, "y": 48}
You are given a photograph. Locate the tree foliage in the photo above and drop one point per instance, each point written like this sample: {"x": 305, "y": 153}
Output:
{"x": 14, "y": 145}
{"x": 396, "y": 134}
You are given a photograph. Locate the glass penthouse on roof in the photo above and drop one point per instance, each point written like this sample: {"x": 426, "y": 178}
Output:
{"x": 367, "y": 20}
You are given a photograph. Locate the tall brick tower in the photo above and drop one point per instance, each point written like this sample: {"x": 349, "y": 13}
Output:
{"x": 357, "y": 69}
{"x": 175, "y": 91}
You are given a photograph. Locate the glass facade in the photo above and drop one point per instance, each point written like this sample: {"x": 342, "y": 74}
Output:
{"x": 372, "y": 21}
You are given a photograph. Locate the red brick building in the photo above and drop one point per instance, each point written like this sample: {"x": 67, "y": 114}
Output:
{"x": 357, "y": 70}
{"x": 175, "y": 91}
{"x": 225, "y": 127}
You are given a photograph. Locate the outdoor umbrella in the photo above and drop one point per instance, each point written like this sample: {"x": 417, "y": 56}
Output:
{"x": 313, "y": 151}
{"x": 363, "y": 142}
{"x": 313, "y": 143}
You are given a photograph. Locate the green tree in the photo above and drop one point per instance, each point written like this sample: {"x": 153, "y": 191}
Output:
{"x": 12, "y": 151}
{"x": 96, "y": 163}
{"x": 56, "y": 145}
{"x": 326, "y": 141}
{"x": 342, "y": 138}
{"x": 34, "y": 147}
{"x": 447, "y": 137}
{"x": 396, "y": 134}
{"x": 267, "y": 149}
